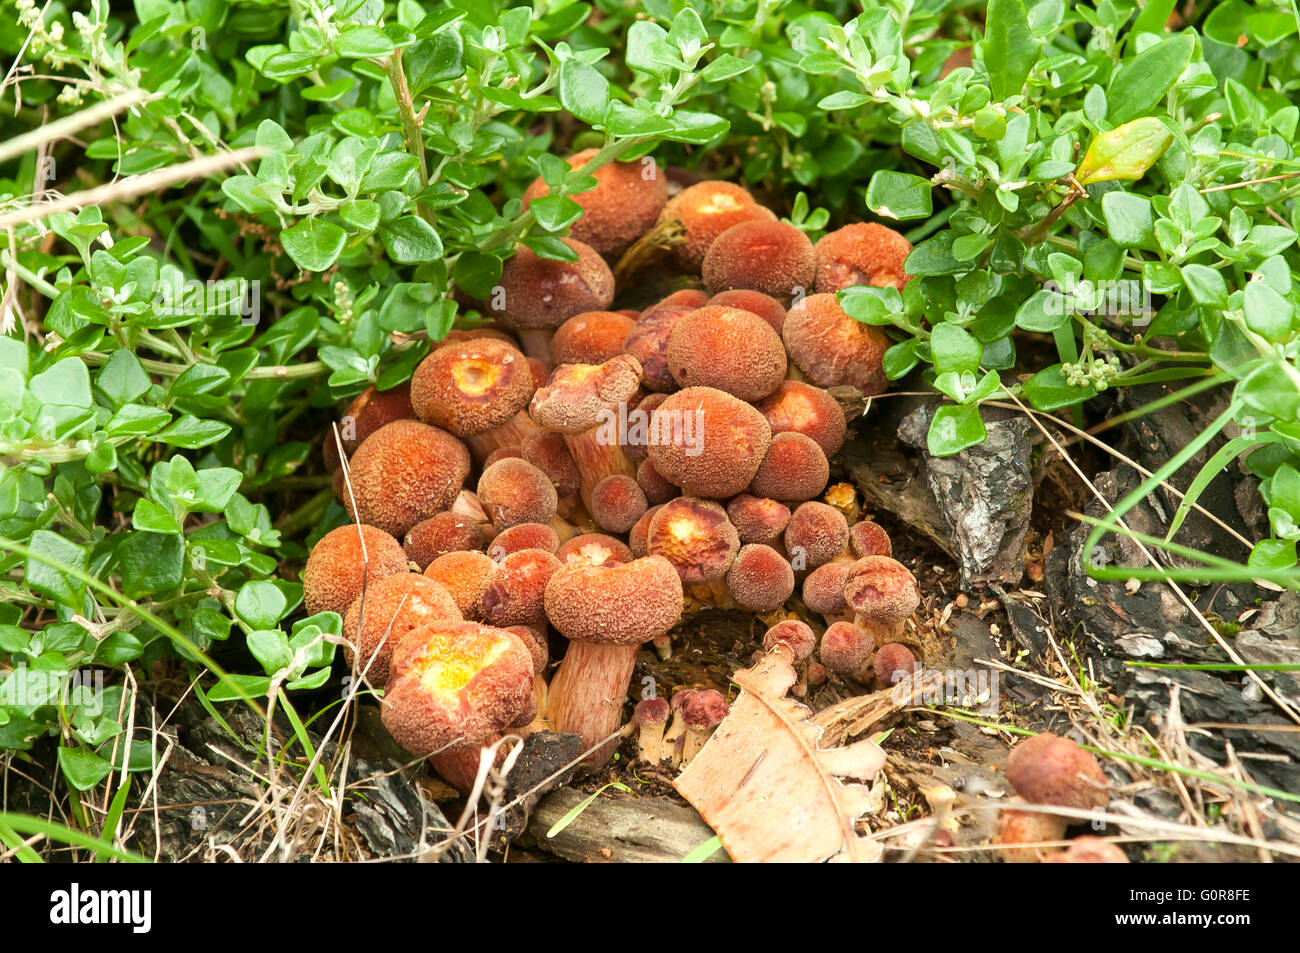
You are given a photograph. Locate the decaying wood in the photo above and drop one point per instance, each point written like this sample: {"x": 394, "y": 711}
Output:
{"x": 769, "y": 789}
{"x": 620, "y": 830}
{"x": 859, "y": 714}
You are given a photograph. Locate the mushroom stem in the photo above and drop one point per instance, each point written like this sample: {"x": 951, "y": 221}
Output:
{"x": 458, "y": 765}
{"x": 587, "y": 693}
{"x": 509, "y": 434}
{"x": 596, "y": 459}
{"x": 663, "y": 645}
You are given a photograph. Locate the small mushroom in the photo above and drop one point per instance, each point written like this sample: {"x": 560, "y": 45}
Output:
{"x": 864, "y": 253}
{"x": 706, "y": 210}
{"x": 516, "y": 589}
{"x": 617, "y": 502}
{"x": 883, "y": 595}
{"x": 870, "y": 539}
{"x": 442, "y": 533}
{"x": 760, "y": 579}
{"x": 772, "y": 257}
{"x": 765, "y": 306}
{"x": 758, "y": 520}
{"x": 729, "y": 349}
{"x": 799, "y": 407}
{"x": 1048, "y": 769}
{"x": 1027, "y": 836}
{"x": 698, "y": 541}
{"x": 893, "y": 662}
{"x": 392, "y": 607}
{"x": 592, "y": 337}
{"x": 796, "y": 636}
{"x": 1088, "y": 849}
{"x": 340, "y": 565}
{"x": 794, "y": 470}
{"x": 465, "y": 576}
{"x": 702, "y": 712}
{"x": 708, "y": 443}
{"x": 405, "y": 472}
{"x": 831, "y": 348}
{"x": 369, "y": 411}
{"x": 594, "y": 549}
{"x": 513, "y": 491}
{"x": 648, "y": 721}
{"x": 847, "y": 649}
{"x": 471, "y": 387}
{"x": 817, "y": 533}
{"x": 524, "y": 536}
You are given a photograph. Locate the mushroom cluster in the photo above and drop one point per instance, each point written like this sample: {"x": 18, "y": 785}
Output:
{"x": 570, "y": 476}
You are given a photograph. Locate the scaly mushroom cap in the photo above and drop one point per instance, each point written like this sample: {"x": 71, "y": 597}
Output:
{"x": 755, "y": 302}
{"x": 594, "y": 549}
{"x": 706, "y": 210}
{"x": 845, "y": 648}
{"x": 456, "y": 683}
{"x": 534, "y": 638}
{"x": 625, "y": 203}
{"x": 592, "y": 337}
{"x": 881, "y": 590}
{"x": 1090, "y": 850}
{"x": 464, "y": 575}
{"x": 651, "y": 711}
{"x": 695, "y": 537}
{"x": 794, "y": 469}
{"x": 540, "y": 293}
{"x": 404, "y": 473}
{"x": 501, "y": 453}
{"x": 832, "y": 349}
{"x": 393, "y": 606}
{"x": 1048, "y": 769}
{"x": 617, "y": 502}
{"x": 688, "y": 298}
{"x": 336, "y": 570}
{"x": 471, "y": 386}
{"x": 864, "y": 253}
{"x": 707, "y": 442}
{"x": 579, "y": 396}
{"x": 634, "y": 447}
{"x": 516, "y": 588}
{"x": 704, "y": 708}
{"x": 656, "y": 489}
{"x": 772, "y": 257}
{"x": 870, "y": 539}
{"x": 625, "y": 604}
{"x": 760, "y": 579}
{"x": 733, "y": 350}
{"x": 513, "y": 491}
{"x": 894, "y": 662}
{"x": 638, "y": 536}
{"x": 794, "y": 635}
{"x": 1027, "y": 827}
{"x": 524, "y": 536}
{"x": 369, "y": 411}
{"x": 441, "y": 533}
{"x": 547, "y": 451}
{"x": 823, "y": 589}
{"x": 796, "y": 407}
{"x": 648, "y": 340}
{"x": 816, "y": 534}
{"x": 758, "y": 520}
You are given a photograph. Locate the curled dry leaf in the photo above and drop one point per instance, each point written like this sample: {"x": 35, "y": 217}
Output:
{"x": 768, "y": 789}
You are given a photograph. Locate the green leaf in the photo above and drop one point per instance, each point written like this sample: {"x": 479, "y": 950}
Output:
{"x": 1009, "y": 48}
{"x": 82, "y": 768}
{"x": 1126, "y": 152}
{"x": 136, "y": 420}
{"x": 1128, "y": 218}
{"x": 191, "y": 433}
{"x": 1266, "y": 311}
{"x": 554, "y": 212}
{"x": 954, "y": 428}
{"x": 1143, "y": 81}
{"x": 149, "y": 563}
{"x": 583, "y": 90}
{"x": 410, "y": 240}
{"x": 725, "y": 67}
{"x": 122, "y": 378}
{"x": 1047, "y": 390}
{"x": 314, "y": 245}
{"x": 899, "y": 195}
{"x": 50, "y": 580}
{"x": 65, "y": 384}
{"x": 954, "y": 349}
{"x": 1206, "y": 285}
{"x": 363, "y": 42}
{"x": 1044, "y": 312}
{"x": 261, "y": 604}
{"x": 150, "y": 517}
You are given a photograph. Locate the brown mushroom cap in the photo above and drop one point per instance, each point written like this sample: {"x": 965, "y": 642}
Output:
{"x": 393, "y": 606}
{"x": 794, "y": 469}
{"x": 772, "y": 257}
{"x": 823, "y": 589}
{"x": 1027, "y": 827}
{"x": 707, "y": 442}
{"x": 638, "y": 536}
{"x": 445, "y": 532}
{"x": 648, "y": 341}
{"x": 870, "y": 539}
{"x": 793, "y": 634}
{"x": 625, "y": 202}
{"x": 760, "y": 579}
{"x": 547, "y": 451}
{"x": 465, "y": 576}
{"x": 336, "y": 568}
{"x": 755, "y": 302}
{"x": 830, "y": 348}
{"x": 656, "y": 489}
{"x": 845, "y": 648}
{"x": 592, "y": 337}
{"x": 541, "y": 293}
{"x": 471, "y": 386}
{"x": 704, "y": 708}
{"x": 369, "y": 411}
{"x": 758, "y": 520}
{"x": 688, "y": 298}
{"x": 579, "y": 397}
{"x": 881, "y": 590}
{"x": 864, "y": 253}
{"x": 816, "y": 534}
{"x": 617, "y": 502}
{"x": 894, "y": 662}
{"x": 625, "y": 604}
{"x": 1087, "y": 849}
{"x": 534, "y": 638}
{"x": 514, "y": 491}
{"x": 706, "y": 210}
{"x": 594, "y": 549}
{"x": 733, "y": 350}
{"x": 404, "y": 473}
{"x": 1048, "y": 769}
{"x": 456, "y": 682}
{"x": 524, "y": 536}
{"x": 796, "y": 407}
{"x": 695, "y": 537}
{"x": 651, "y": 711}
{"x": 638, "y": 425}
{"x": 516, "y": 587}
